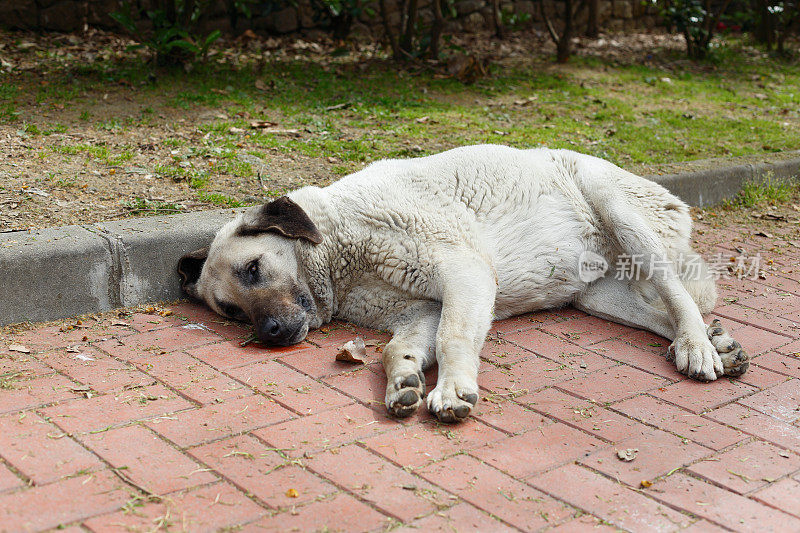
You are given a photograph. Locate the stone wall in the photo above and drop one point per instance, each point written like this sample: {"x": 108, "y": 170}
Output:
{"x": 270, "y": 17}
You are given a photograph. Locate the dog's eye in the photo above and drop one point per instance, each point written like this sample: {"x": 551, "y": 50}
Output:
{"x": 303, "y": 301}
{"x": 252, "y": 271}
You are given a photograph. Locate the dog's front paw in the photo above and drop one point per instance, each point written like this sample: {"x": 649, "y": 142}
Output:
{"x": 404, "y": 394}
{"x": 452, "y": 399}
{"x": 735, "y": 360}
{"x": 695, "y": 357}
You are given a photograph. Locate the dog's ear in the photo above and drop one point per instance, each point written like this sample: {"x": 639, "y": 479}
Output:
{"x": 189, "y": 268}
{"x": 285, "y": 217}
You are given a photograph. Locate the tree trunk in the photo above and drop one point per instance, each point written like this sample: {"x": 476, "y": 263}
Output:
{"x": 390, "y": 36}
{"x": 436, "y": 28}
{"x": 407, "y": 39}
{"x": 499, "y": 30}
{"x": 592, "y": 24}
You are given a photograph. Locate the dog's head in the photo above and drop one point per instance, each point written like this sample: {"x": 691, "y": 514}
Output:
{"x": 251, "y": 272}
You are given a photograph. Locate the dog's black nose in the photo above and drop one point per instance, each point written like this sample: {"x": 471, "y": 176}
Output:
{"x": 271, "y": 331}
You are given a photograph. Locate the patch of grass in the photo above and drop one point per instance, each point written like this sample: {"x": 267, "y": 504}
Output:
{"x": 219, "y": 199}
{"x": 768, "y": 191}
{"x": 8, "y": 108}
{"x": 143, "y": 206}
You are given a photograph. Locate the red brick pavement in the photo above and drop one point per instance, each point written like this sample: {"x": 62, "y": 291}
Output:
{"x": 149, "y": 421}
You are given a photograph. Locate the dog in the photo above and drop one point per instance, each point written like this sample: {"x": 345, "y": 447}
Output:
{"x": 433, "y": 249}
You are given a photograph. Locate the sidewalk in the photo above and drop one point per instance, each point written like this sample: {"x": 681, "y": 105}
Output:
{"x": 162, "y": 420}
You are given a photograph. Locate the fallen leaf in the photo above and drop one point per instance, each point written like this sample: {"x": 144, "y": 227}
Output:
{"x": 19, "y": 348}
{"x": 645, "y": 484}
{"x": 764, "y": 234}
{"x": 353, "y": 351}
{"x": 292, "y": 493}
{"x": 628, "y": 454}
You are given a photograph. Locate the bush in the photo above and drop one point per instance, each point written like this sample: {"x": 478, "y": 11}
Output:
{"x": 173, "y": 38}
{"x": 696, "y": 20}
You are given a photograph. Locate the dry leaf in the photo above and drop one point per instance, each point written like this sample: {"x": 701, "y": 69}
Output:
{"x": 292, "y": 493}
{"x": 764, "y": 234}
{"x": 19, "y": 348}
{"x": 645, "y": 484}
{"x": 353, "y": 351}
{"x": 627, "y": 455}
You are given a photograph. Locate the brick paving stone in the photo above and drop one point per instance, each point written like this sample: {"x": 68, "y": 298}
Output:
{"x": 100, "y": 412}
{"x": 498, "y": 351}
{"x": 262, "y": 471}
{"x": 513, "y": 324}
{"x": 230, "y": 354}
{"x": 788, "y": 365}
{"x": 22, "y": 393}
{"x": 778, "y": 302}
{"x": 756, "y": 341}
{"x": 321, "y": 362}
{"x": 462, "y": 518}
{"x": 9, "y": 480}
{"x": 781, "y": 401}
{"x": 658, "y": 454}
{"x": 208, "y": 508}
{"x": 586, "y": 331}
{"x": 194, "y": 379}
{"x": 289, "y": 387}
{"x": 41, "y": 451}
{"x": 341, "y": 512}
{"x": 619, "y": 350}
{"x": 144, "y": 346}
{"x": 419, "y": 444}
{"x": 337, "y": 333}
{"x": 760, "y": 377}
{"x": 327, "y": 429}
{"x": 376, "y": 481}
{"x": 135, "y": 449}
{"x": 697, "y": 397}
{"x": 583, "y": 414}
{"x": 645, "y": 340}
{"x": 758, "y": 424}
{"x": 50, "y": 337}
{"x": 613, "y": 502}
{"x": 613, "y": 384}
{"x": 366, "y": 383}
{"x": 193, "y": 313}
{"x": 582, "y": 524}
{"x": 507, "y": 498}
{"x": 666, "y": 416}
{"x": 23, "y": 365}
{"x": 721, "y": 506}
{"x": 793, "y": 348}
{"x": 748, "y": 467}
{"x": 536, "y": 373}
{"x": 508, "y": 416}
{"x": 535, "y": 451}
{"x": 97, "y": 370}
{"x": 219, "y": 420}
{"x": 548, "y": 345}
{"x": 63, "y": 502}
{"x": 781, "y": 494}
{"x": 756, "y": 317}
{"x": 142, "y": 322}
{"x": 704, "y": 526}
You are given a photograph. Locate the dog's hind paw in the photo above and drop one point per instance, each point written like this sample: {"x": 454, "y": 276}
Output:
{"x": 735, "y": 360}
{"x": 404, "y": 394}
{"x": 452, "y": 400}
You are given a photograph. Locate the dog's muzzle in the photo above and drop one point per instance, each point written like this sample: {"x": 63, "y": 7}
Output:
{"x": 281, "y": 332}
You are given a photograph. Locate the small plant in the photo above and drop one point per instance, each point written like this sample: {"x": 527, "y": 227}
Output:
{"x": 139, "y": 206}
{"x": 696, "y": 20}
{"x": 173, "y": 39}
{"x": 514, "y": 21}
{"x": 767, "y": 191}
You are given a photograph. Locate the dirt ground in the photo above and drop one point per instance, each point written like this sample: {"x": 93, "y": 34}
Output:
{"x": 103, "y": 150}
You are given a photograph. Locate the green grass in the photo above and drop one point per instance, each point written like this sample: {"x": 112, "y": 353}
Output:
{"x": 768, "y": 191}
{"x": 740, "y": 102}
{"x": 100, "y": 153}
{"x": 143, "y": 206}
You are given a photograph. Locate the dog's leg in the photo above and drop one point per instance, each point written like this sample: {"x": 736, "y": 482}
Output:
{"x": 694, "y": 353}
{"x": 468, "y": 287}
{"x": 411, "y": 350}
{"x": 617, "y": 300}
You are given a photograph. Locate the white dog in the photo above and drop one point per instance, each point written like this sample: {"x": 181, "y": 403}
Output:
{"x": 434, "y": 248}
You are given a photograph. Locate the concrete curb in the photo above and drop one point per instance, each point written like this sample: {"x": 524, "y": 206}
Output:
{"x": 60, "y": 272}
